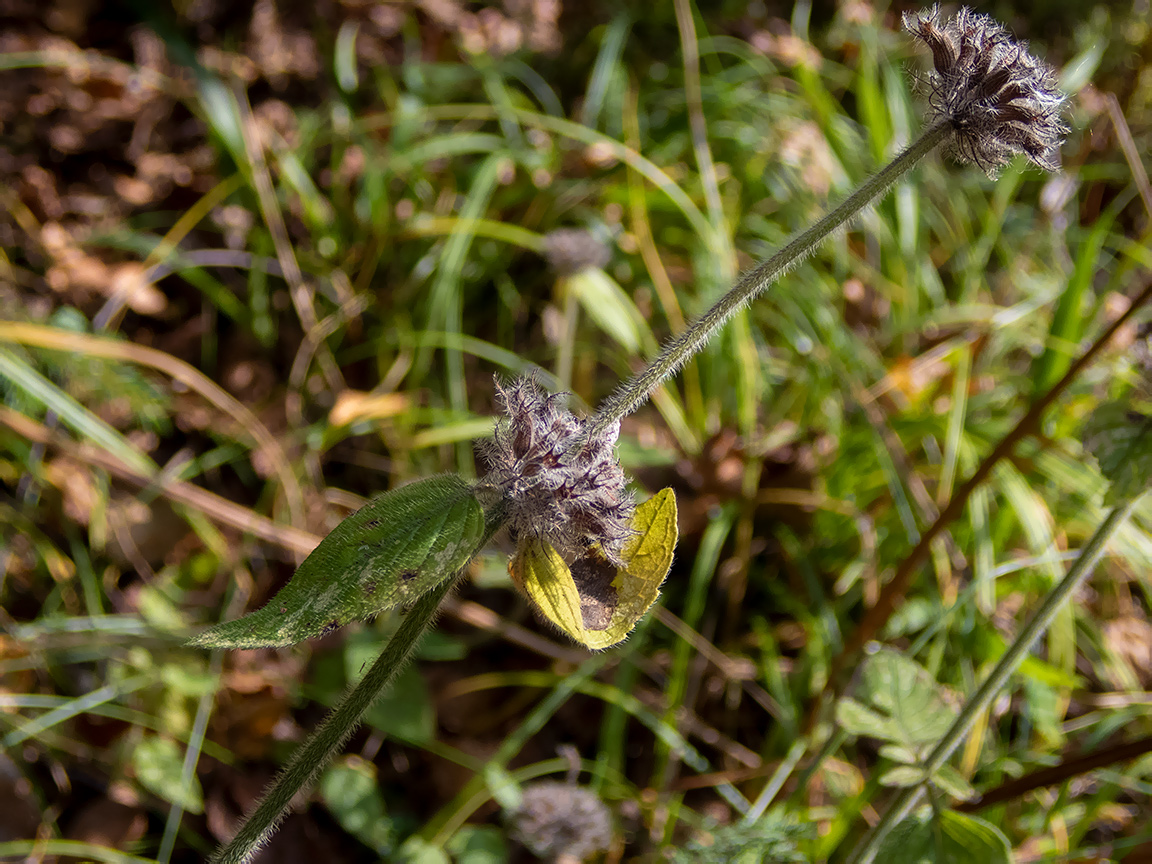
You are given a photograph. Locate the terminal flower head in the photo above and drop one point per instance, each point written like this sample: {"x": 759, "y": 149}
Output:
{"x": 999, "y": 99}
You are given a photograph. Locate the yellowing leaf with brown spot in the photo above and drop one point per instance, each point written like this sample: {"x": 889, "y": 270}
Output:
{"x": 546, "y": 579}
{"x": 647, "y": 559}
{"x": 593, "y": 602}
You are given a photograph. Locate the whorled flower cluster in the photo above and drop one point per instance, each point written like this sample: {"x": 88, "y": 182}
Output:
{"x": 999, "y": 99}
{"x": 562, "y": 822}
{"x": 570, "y": 498}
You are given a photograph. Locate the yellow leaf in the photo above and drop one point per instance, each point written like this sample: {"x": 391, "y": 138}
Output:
{"x": 647, "y": 559}
{"x": 540, "y": 571}
{"x": 354, "y": 406}
{"x": 592, "y": 601}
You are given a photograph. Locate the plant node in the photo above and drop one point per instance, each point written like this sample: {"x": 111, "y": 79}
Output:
{"x": 569, "y": 496}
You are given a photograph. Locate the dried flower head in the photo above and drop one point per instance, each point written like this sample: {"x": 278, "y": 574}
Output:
{"x": 569, "y": 498}
{"x": 999, "y": 99}
{"x": 562, "y": 822}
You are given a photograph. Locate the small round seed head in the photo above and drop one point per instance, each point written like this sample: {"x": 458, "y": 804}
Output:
{"x": 562, "y": 822}
{"x": 999, "y": 99}
{"x": 571, "y": 498}
{"x": 570, "y": 250}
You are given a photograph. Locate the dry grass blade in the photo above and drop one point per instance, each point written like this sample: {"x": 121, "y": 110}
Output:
{"x": 1131, "y": 152}
{"x": 219, "y": 509}
{"x": 247, "y": 422}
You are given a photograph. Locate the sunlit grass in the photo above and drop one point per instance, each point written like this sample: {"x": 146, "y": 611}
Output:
{"x": 161, "y": 476}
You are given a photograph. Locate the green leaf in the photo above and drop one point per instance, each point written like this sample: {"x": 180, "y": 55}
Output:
{"x": 606, "y": 303}
{"x": 405, "y": 709}
{"x": 904, "y": 775}
{"x": 386, "y": 554}
{"x": 903, "y": 690}
{"x": 774, "y": 837}
{"x": 1068, "y": 319}
{"x": 438, "y": 645}
{"x": 1045, "y": 707}
{"x": 1121, "y": 441}
{"x": 505, "y": 790}
{"x": 344, "y": 57}
{"x": 159, "y": 765}
{"x": 899, "y": 753}
{"x": 858, "y": 719}
{"x": 947, "y": 778}
{"x": 351, "y": 794}
{"x": 478, "y": 844}
{"x": 954, "y": 838}
{"x": 416, "y": 850}
{"x": 953, "y": 783}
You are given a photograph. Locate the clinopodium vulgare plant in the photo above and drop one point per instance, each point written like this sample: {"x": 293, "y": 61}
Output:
{"x": 587, "y": 558}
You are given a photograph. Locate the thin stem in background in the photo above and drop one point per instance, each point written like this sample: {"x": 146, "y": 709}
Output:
{"x": 565, "y": 356}
{"x": 1131, "y": 151}
{"x": 893, "y": 592}
{"x": 661, "y": 283}
{"x": 1065, "y": 770}
{"x": 1080, "y": 570}
{"x": 191, "y": 759}
{"x": 677, "y": 350}
{"x": 725, "y": 255}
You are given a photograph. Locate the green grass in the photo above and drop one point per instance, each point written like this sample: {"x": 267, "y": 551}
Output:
{"x": 394, "y": 250}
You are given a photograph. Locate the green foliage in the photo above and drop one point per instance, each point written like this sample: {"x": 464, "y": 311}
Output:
{"x": 902, "y": 705}
{"x": 351, "y": 793}
{"x": 386, "y": 554}
{"x": 406, "y": 710}
{"x": 159, "y": 765}
{"x": 1121, "y": 440}
{"x": 416, "y": 850}
{"x": 945, "y": 838}
{"x": 773, "y": 839}
{"x": 903, "y": 702}
{"x": 809, "y": 446}
{"x": 478, "y": 844}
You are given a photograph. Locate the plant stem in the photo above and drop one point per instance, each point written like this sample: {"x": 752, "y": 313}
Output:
{"x": 1081, "y": 568}
{"x": 679, "y": 349}
{"x": 322, "y": 745}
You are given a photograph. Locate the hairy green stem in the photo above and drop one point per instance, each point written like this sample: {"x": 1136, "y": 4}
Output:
{"x": 1081, "y": 568}
{"x": 322, "y": 745}
{"x": 679, "y": 349}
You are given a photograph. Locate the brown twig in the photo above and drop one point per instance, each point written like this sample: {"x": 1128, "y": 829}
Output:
{"x": 1066, "y": 769}
{"x": 219, "y": 510}
{"x": 893, "y": 592}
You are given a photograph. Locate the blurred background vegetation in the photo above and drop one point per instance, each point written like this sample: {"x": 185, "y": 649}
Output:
{"x": 261, "y": 262}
